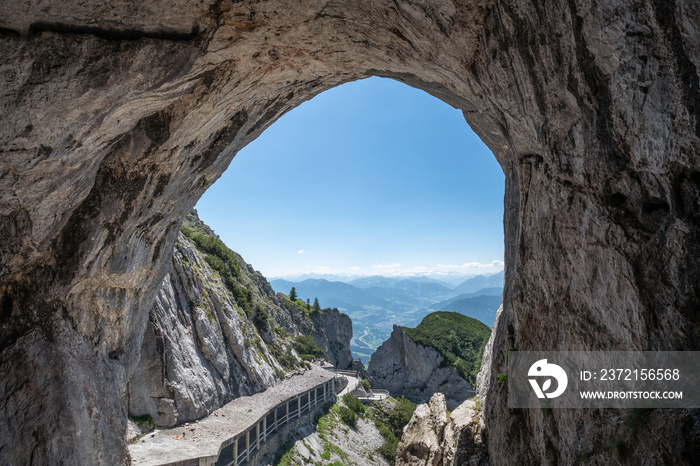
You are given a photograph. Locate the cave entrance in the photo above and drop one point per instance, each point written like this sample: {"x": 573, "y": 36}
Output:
{"x": 371, "y": 178}
{"x": 117, "y": 119}
{"x": 136, "y": 125}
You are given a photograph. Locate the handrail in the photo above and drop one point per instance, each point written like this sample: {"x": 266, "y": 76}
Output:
{"x": 371, "y": 395}
{"x": 355, "y": 374}
{"x": 304, "y": 403}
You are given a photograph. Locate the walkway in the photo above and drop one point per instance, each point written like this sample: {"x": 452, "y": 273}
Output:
{"x": 370, "y": 395}
{"x": 353, "y": 383}
{"x": 206, "y": 438}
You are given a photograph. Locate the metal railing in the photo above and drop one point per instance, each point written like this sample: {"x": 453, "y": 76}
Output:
{"x": 355, "y": 374}
{"x": 370, "y": 395}
{"x": 239, "y": 449}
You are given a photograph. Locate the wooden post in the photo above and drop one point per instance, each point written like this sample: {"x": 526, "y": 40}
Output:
{"x": 265, "y": 428}
{"x": 324, "y": 392}
{"x": 276, "y": 417}
{"x": 298, "y": 406}
{"x": 286, "y": 418}
{"x": 247, "y": 446}
{"x": 257, "y": 435}
{"x": 235, "y": 452}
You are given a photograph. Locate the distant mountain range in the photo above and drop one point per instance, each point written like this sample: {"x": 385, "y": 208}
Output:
{"x": 376, "y": 303}
{"x": 480, "y": 282}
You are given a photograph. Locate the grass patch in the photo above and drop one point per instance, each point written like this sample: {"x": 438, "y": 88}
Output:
{"x": 287, "y": 360}
{"x": 329, "y": 448}
{"x": 286, "y": 455}
{"x": 347, "y": 416}
{"x": 365, "y": 384}
{"x": 220, "y": 258}
{"x": 459, "y": 339}
{"x": 354, "y": 404}
{"x": 390, "y": 423}
{"x": 307, "y": 349}
{"x": 145, "y": 421}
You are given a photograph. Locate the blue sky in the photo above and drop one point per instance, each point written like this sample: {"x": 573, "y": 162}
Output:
{"x": 369, "y": 178}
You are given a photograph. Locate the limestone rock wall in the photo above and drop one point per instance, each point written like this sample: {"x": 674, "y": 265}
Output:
{"x": 200, "y": 349}
{"x": 333, "y": 332}
{"x": 407, "y": 368}
{"x": 116, "y": 118}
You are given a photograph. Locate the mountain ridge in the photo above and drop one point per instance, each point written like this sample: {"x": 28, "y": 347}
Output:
{"x": 374, "y": 308}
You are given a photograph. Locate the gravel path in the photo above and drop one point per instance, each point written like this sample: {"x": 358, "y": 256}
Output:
{"x": 203, "y": 438}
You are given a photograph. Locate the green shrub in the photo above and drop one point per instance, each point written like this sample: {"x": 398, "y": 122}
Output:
{"x": 145, "y": 421}
{"x": 348, "y": 416}
{"x": 286, "y": 456}
{"x": 354, "y": 404}
{"x": 391, "y": 442}
{"x": 261, "y": 320}
{"x": 401, "y": 413}
{"x": 307, "y": 349}
{"x": 388, "y": 448}
{"x": 287, "y": 360}
{"x": 391, "y": 424}
{"x": 365, "y": 385}
{"x": 220, "y": 258}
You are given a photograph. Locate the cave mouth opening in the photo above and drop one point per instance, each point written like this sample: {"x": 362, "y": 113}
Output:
{"x": 371, "y": 178}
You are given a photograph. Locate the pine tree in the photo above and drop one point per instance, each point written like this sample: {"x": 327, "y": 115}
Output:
{"x": 317, "y": 306}
{"x": 308, "y": 304}
{"x": 293, "y": 294}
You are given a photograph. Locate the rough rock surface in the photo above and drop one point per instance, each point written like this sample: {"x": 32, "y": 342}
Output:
{"x": 359, "y": 445}
{"x": 200, "y": 349}
{"x": 415, "y": 371}
{"x": 117, "y": 118}
{"x": 483, "y": 377}
{"x": 436, "y": 439}
{"x": 332, "y": 331}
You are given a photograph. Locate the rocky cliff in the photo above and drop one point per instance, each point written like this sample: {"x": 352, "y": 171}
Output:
{"x": 415, "y": 371}
{"x": 116, "y": 117}
{"x": 434, "y": 438}
{"x": 203, "y": 347}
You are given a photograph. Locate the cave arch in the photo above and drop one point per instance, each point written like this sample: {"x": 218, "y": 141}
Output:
{"x": 116, "y": 119}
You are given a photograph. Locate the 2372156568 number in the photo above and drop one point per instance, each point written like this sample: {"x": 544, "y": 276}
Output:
{"x": 639, "y": 374}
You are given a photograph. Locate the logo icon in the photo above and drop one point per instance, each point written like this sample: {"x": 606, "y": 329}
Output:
{"x": 542, "y": 369}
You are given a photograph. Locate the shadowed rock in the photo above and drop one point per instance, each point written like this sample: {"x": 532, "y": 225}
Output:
{"x": 117, "y": 117}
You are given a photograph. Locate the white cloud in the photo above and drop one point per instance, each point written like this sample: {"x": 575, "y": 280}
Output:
{"x": 301, "y": 251}
{"x": 396, "y": 270}
{"x": 386, "y": 266}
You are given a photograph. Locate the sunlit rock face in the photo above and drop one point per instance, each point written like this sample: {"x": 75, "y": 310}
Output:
{"x": 201, "y": 348}
{"x": 116, "y": 118}
{"x": 404, "y": 367}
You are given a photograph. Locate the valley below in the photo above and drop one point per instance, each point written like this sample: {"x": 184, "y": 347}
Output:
{"x": 376, "y": 303}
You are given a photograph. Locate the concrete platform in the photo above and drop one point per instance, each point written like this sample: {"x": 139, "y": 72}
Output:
{"x": 203, "y": 439}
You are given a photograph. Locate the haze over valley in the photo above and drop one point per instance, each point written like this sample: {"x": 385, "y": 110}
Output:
{"x": 377, "y": 303}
